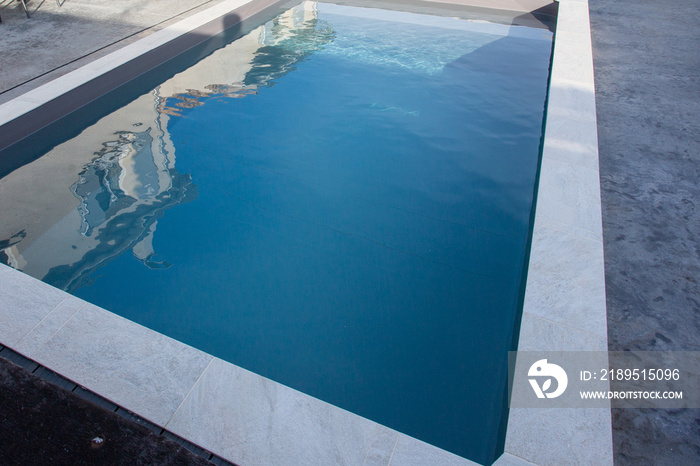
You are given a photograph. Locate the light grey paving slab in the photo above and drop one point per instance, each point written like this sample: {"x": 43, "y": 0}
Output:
{"x": 24, "y": 302}
{"x": 539, "y": 334}
{"x": 412, "y": 452}
{"x": 573, "y": 229}
{"x": 565, "y": 296}
{"x": 382, "y": 448}
{"x": 560, "y": 436}
{"x": 565, "y": 282}
{"x": 573, "y": 17}
{"x": 130, "y": 365}
{"x": 572, "y": 100}
{"x": 49, "y": 325}
{"x": 507, "y": 459}
{"x": 575, "y": 51}
{"x": 248, "y": 419}
{"x": 15, "y": 108}
{"x": 570, "y": 195}
{"x": 572, "y": 141}
{"x": 57, "y": 87}
{"x": 131, "y": 51}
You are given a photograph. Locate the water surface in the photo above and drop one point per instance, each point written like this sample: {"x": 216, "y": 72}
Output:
{"x": 339, "y": 201}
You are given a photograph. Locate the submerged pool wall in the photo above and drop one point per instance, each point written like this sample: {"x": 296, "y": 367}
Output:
{"x": 246, "y": 418}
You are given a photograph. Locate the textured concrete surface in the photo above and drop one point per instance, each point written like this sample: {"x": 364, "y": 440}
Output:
{"x": 647, "y": 62}
{"x": 56, "y": 40}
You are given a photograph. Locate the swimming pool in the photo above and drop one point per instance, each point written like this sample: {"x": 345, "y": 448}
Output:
{"x": 386, "y": 308}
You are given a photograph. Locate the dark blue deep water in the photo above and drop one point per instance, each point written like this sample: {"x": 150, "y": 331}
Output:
{"x": 351, "y": 219}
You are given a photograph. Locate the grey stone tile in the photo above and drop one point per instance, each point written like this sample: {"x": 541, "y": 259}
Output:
{"x": 560, "y": 436}
{"x": 15, "y": 108}
{"x": 507, "y": 459}
{"x": 412, "y": 452}
{"x": 24, "y": 302}
{"x": 247, "y": 419}
{"x": 555, "y": 225}
{"x": 130, "y": 365}
{"x": 131, "y": 51}
{"x": 49, "y": 325}
{"x": 565, "y": 282}
{"x": 538, "y": 334}
{"x": 59, "y": 86}
{"x": 573, "y": 17}
{"x": 382, "y": 448}
{"x": 571, "y": 100}
{"x": 572, "y": 141}
{"x": 570, "y": 195}
{"x": 573, "y": 58}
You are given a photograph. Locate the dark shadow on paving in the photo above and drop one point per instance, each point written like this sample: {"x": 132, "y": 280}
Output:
{"x": 646, "y": 63}
{"x": 44, "y": 424}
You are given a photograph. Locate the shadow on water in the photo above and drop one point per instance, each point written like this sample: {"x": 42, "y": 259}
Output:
{"x": 513, "y": 71}
{"x": 513, "y": 66}
{"x": 546, "y": 16}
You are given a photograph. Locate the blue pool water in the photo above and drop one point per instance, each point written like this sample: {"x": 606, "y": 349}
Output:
{"x": 346, "y": 213}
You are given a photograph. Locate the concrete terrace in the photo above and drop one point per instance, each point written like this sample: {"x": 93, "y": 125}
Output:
{"x": 59, "y": 40}
{"x": 647, "y": 93}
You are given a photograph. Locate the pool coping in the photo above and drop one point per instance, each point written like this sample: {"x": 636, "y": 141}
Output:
{"x": 246, "y": 418}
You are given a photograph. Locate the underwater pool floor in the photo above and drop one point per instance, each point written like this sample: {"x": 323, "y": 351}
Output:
{"x": 200, "y": 397}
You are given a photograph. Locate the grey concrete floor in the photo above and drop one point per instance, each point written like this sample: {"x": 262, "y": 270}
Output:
{"x": 647, "y": 60}
{"x": 58, "y": 39}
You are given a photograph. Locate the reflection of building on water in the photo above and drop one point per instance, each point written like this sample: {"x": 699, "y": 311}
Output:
{"x": 103, "y": 192}
{"x": 280, "y": 45}
{"x": 122, "y": 194}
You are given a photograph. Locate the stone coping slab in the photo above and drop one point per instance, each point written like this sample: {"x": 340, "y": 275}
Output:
{"x": 248, "y": 419}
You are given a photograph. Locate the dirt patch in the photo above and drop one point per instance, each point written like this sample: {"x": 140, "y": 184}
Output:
{"x": 41, "y": 423}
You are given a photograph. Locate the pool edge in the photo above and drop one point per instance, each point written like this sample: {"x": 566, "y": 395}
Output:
{"x": 53, "y": 329}
{"x": 565, "y": 304}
